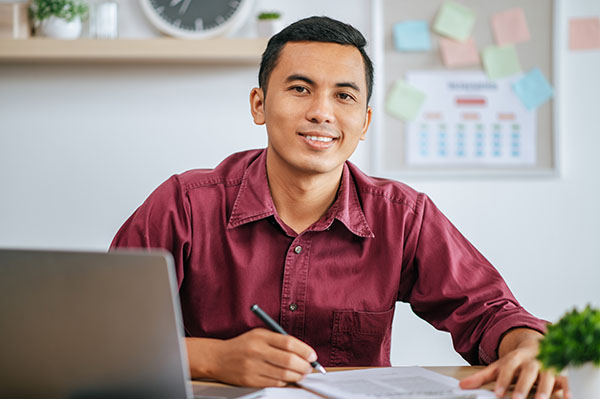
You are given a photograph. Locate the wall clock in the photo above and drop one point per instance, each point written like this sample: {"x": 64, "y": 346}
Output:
{"x": 196, "y": 19}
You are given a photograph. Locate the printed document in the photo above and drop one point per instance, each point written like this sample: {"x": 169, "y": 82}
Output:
{"x": 390, "y": 383}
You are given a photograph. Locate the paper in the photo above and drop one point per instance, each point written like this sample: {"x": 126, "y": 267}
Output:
{"x": 457, "y": 54}
{"x": 281, "y": 393}
{"x": 533, "y": 89}
{"x": 412, "y": 36}
{"x": 584, "y": 33}
{"x": 468, "y": 119}
{"x": 390, "y": 383}
{"x": 455, "y": 21}
{"x": 404, "y": 101}
{"x": 500, "y": 61}
{"x": 510, "y": 26}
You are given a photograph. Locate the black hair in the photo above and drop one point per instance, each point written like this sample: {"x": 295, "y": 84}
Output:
{"x": 314, "y": 29}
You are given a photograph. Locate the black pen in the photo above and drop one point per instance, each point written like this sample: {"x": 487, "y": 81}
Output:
{"x": 273, "y": 325}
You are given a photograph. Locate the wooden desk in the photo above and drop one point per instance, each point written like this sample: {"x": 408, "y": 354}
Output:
{"x": 457, "y": 372}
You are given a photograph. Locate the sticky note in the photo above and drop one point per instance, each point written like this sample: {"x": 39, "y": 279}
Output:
{"x": 456, "y": 54}
{"x": 455, "y": 21}
{"x": 412, "y": 36}
{"x": 584, "y": 33}
{"x": 510, "y": 26}
{"x": 533, "y": 89}
{"x": 500, "y": 61}
{"x": 404, "y": 101}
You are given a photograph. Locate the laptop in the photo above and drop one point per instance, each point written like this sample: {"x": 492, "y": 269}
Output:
{"x": 90, "y": 325}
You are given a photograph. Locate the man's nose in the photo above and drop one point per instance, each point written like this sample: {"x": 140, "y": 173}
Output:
{"x": 321, "y": 109}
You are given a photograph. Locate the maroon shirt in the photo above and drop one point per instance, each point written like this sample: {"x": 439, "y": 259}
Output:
{"x": 333, "y": 286}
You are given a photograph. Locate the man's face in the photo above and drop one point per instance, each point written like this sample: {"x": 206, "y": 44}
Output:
{"x": 316, "y": 107}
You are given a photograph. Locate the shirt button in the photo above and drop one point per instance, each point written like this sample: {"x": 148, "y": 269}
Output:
{"x": 293, "y": 307}
{"x": 298, "y": 249}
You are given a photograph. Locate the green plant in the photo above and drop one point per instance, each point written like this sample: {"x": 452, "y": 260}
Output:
{"x": 66, "y": 9}
{"x": 572, "y": 341}
{"x": 269, "y": 15}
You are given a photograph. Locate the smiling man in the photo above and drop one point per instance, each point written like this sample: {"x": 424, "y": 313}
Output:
{"x": 320, "y": 246}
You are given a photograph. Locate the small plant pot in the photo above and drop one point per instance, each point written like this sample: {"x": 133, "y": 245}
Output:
{"x": 59, "y": 28}
{"x": 584, "y": 381}
{"x": 268, "y": 27}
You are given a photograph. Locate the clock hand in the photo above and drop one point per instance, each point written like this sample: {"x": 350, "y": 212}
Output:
{"x": 184, "y": 7}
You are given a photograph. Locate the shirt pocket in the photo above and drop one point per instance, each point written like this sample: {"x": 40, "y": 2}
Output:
{"x": 361, "y": 338}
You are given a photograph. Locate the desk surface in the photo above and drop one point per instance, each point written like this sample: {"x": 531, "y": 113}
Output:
{"x": 457, "y": 372}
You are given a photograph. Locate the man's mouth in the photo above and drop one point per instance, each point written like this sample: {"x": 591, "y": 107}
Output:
{"x": 319, "y": 138}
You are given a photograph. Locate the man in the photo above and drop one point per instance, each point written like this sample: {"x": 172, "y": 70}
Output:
{"x": 320, "y": 246}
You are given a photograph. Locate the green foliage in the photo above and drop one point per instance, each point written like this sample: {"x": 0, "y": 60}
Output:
{"x": 66, "y": 9}
{"x": 573, "y": 341}
{"x": 269, "y": 15}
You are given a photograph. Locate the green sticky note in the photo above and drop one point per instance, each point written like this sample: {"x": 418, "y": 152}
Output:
{"x": 500, "y": 61}
{"x": 404, "y": 101}
{"x": 455, "y": 21}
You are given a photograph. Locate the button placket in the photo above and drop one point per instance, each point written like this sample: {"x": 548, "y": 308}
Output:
{"x": 294, "y": 286}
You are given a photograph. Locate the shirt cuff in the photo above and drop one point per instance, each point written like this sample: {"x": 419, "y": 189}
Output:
{"x": 488, "y": 348}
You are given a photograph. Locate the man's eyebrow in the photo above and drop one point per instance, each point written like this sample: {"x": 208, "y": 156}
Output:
{"x": 351, "y": 85}
{"x": 303, "y": 78}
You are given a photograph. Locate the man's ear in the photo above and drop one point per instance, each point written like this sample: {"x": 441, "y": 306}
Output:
{"x": 257, "y": 105}
{"x": 368, "y": 116}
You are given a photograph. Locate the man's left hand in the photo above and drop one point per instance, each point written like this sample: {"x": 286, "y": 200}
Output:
{"x": 517, "y": 362}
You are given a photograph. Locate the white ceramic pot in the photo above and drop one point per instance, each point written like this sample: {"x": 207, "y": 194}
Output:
{"x": 59, "y": 28}
{"x": 268, "y": 27}
{"x": 584, "y": 381}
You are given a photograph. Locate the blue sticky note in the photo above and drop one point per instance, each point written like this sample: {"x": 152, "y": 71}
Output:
{"x": 412, "y": 36}
{"x": 533, "y": 89}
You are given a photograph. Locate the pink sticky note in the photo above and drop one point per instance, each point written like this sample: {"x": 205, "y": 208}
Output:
{"x": 584, "y": 33}
{"x": 455, "y": 54}
{"x": 510, "y": 26}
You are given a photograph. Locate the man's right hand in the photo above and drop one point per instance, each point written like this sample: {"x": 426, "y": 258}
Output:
{"x": 257, "y": 358}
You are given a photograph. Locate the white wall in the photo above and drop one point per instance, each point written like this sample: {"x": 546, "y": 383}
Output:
{"x": 81, "y": 146}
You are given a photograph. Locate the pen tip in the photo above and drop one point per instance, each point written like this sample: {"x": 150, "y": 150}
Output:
{"x": 321, "y": 369}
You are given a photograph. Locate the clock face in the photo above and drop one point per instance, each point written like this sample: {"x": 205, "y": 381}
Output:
{"x": 195, "y": 18}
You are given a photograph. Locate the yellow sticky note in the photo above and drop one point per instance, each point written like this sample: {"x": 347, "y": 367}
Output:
{"x": 500, "y": 61}
{"x": 455, "y": 21}
{"x": 404, "y": 101}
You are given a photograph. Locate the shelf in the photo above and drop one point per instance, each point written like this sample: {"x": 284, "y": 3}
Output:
{"x": 231, "y": 51}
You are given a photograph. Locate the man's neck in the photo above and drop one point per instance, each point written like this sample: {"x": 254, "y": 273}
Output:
{"x": 301, "y": 199}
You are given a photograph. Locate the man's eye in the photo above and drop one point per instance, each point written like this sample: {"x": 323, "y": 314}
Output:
{"x": 345, "y": 96}
{"x": 299, "y": 89}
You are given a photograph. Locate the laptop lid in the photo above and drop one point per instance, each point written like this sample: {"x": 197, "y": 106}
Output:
{"x": 81, "y": 324}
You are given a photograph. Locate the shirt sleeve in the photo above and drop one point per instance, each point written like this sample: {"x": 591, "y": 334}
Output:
{"x": 161, "y": 222}
{"x": 452, "y": 286}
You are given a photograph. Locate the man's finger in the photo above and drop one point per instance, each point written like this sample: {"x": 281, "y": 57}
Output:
{"x": 287, "y": 360}
{"x": 506, "y": 374}
{"x": 292, "y": 344}
{"x": 528, "y": 375}
{"x": 480, "y": 378}
{"x": 280, "y": 374}
{"x": 545, "y": 385}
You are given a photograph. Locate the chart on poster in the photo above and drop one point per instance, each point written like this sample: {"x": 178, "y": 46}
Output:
{"x": 468, "y": 119}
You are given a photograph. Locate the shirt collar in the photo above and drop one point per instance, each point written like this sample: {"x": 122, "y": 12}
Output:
{"x": 254, "y": 202}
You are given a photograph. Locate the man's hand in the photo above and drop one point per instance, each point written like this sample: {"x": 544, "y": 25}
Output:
{"x": 257, "y": 358}
{"x": 517, "y": 360}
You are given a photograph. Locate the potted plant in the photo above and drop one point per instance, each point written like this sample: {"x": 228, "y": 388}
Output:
{"x": 574, "y": 344}
{"x": 60, "y": 19}
{"x": 269, "y": 23}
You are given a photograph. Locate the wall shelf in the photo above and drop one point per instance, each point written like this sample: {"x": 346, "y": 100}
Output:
{"x": 230, "y": 51}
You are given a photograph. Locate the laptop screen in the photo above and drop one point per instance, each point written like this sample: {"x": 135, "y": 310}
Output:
{"x": 82, "y": 324}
